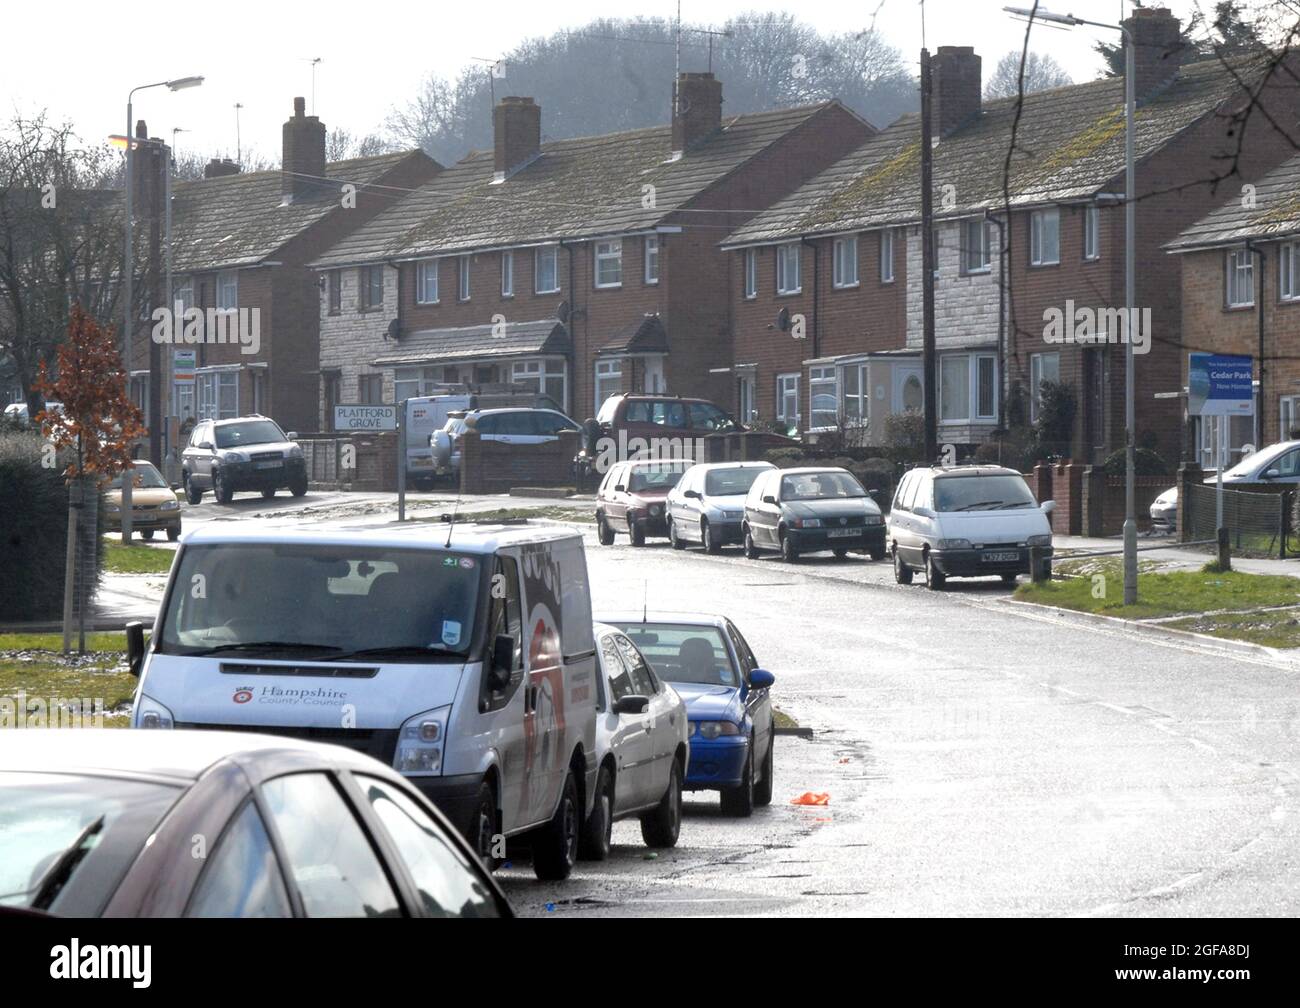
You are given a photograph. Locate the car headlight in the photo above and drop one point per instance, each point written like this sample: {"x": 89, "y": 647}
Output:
{"x": 171, "y": 505}
{"x": 295, "y": 451}
{"x": 149, "y": 713}
{"x": 875, "y": 519}
{"x": 655, "y": 509}
{"x": 419, "y": 743}
{"x": 713, "y": 729}
{"x": 949, "y": 544}
{"x": 1039, "y": 540}
{"x": 234, "y": 456}
{"x": 807, "y": 523}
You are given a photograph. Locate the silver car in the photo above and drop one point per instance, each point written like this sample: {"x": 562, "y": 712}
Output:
{"x": 707, "y": 505}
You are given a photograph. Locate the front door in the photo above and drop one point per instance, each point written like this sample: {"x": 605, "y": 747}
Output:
{"x": 745, "y": 399}
{"x": 653, "y": 381}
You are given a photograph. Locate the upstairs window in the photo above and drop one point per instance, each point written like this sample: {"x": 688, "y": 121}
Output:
{"x": 426, "y": 281}
{"x": 844, "y": 271}
{"x": 546, "y": 278}
{"x": 1091, "y": 233}
{"x": 1241, "y": 279}
{"x": 887, "y": 255}
{"x": 507, "y": 274}
{"x": 609, "y": 263}
{"x": 975, "y": 254}
{"x": 1045, "y": 237}
{"x": 227, "y": 291}
{"x": 787, "y": 269}
{"x": 463, "y": 293}
{"x": 371, "y": 280}
{"x": 652, "y": 259}
{"x": 751, "y": 273}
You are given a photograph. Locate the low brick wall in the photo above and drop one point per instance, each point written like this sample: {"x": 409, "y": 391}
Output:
{"x": 494, "y": 467}
{"x": 1061, "y": 482}
{"x": 1104, "y": 496}
{"x": 353, "y": 461}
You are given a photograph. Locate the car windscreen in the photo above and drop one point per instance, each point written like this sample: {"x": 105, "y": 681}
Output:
{"x": 820, "y": 486}
{"x": 655, "y": 477}
{"x": 729, "y": 482}
{"x": 1255, "y": 460}
{"x": 982, "y": 493}
{"x": 683, "y": 653}
{"x": 95, "y": 825}
{"x": 146, "y": 476}
{"x": 250, "y": 432}
{"x": 332, "y": 602}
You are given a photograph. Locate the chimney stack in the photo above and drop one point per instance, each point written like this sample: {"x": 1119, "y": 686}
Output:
{"x": 1157, "y": 48}
{"x": 698, "y": 114}
{"x": 302, "y": 167}
{"x": 219, "y": 167}
{"x": 147, "y": 173}
{"x": 517, "y": 133}
{"x": 955, "y": 84}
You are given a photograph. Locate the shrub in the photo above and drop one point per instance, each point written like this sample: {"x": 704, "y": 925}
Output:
{"x": 905, "y": 436}
{"x": 1145, "y": 463}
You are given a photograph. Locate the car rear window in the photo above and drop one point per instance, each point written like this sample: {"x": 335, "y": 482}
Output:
{"x": 684, "y": 653}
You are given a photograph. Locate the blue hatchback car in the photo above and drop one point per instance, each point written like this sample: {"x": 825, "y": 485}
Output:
{"x": 728, "y": 707}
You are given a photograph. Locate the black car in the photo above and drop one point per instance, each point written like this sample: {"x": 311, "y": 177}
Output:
{"x": 113, "y": 823}
{"x": 242, "y": 453}
{"x": 794, "y": 511}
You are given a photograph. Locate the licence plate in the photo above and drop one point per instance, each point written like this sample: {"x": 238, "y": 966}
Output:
{"x": 1000, "y": 557}
{"x": 843, "y": 533}
{"x": 269, "y": 465}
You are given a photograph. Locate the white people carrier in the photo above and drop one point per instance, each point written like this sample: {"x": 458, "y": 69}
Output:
{"x": 461, "y": 655}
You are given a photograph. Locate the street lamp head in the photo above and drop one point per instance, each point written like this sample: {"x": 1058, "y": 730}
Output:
{"x": 1044, "y": 15}
{"x": 184, "y": 82}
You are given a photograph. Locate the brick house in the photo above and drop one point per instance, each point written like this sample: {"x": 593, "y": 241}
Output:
{"x": 242, "y": 241}
{"x": 578, "y": 267}
{"x": 1010, "y": 261}
{"x": 1241, "y": 295}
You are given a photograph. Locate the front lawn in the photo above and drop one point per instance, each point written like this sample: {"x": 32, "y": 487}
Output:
{"x": 138, "y": 558}
{"x": 32, "y": 665}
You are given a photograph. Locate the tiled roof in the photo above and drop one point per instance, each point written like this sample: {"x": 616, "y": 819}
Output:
{"x": 645, "y": 335}
{"x": 1273, "y": 213}
{"x": 464, "y": 342}
{"x": 239, "y": 220}
{"x": 1069, "y": 145}
{"x": 577, "y": 188}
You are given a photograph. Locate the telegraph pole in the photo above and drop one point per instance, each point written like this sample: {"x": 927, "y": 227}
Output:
{"x": 929, "y": 362}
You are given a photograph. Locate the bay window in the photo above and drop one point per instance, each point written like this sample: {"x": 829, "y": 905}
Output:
{"x": 823, "y": 397}
{"x": 787, "y": 399}
{"x": 855, "y": 394}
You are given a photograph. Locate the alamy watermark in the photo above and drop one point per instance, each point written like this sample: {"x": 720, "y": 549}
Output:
{"x": 1089, "y": 326}
{"x": 656, "y": 449}
{"x": 22, "y": 711}
{"x": 242, "y": 326}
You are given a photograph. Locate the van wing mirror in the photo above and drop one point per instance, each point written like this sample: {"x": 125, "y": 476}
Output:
{"x": 923, "y": 512}
{"x": 135, "y": 647}
{"x": 769, "y": 499}
{"x": 1048, "y": 506}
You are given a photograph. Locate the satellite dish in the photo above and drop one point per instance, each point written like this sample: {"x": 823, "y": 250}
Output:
{"x": 562, "y": 311}
{"x": 394, "y": 331}
{"x": 783, "y": 320}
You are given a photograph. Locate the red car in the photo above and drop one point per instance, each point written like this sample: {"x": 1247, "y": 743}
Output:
{"x": 632, "y": 498}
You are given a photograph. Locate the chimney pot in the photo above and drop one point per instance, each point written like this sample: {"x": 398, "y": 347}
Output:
{"x": 698, "y": 111}
{"x": 954, "y": 88}
{"x": 517, "y": 134}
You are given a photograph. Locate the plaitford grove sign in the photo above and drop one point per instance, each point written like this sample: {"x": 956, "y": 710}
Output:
{"x": 365, "y": 418}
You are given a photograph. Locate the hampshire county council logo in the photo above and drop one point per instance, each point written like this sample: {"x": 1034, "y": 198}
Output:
{"x": 243, "y": 695}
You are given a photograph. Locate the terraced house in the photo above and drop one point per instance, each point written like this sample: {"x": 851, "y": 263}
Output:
{"x": 1241, "y": 295}
{"x": 578, "y": 267}
{"x": 241, "y": 242}
{"x": 1029, "y": 250}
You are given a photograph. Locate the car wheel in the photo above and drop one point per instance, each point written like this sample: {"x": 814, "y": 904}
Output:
{"x": 604, "y": 534}
{"x": 173, "y": 534}
{"x": 739, "y": 801}
{"x": 709, "y": 538}
{"x": 1009, "y": 579}
{"x": 192, "y": 493}
{"x": 661, "y": 826}
{"x": 763, "y": 789}
{"x": 220, "y": 489}
{"x": 598, "y": 830}
{"x": 902, "y": 572}
{"x": 298, "y": 487}
{"x": 934, "y": 578}
{"x": 268, "y": 494}
{"x": 677, "y": 542}
{"x": 788, "y": 552}
{"x": 146, "y": 535}
{"x": 877, "y": 554}
{"x": 555, "y": 845}
{"x": 751, "y": 551}
{"x": 636, "y": 533}
{"x": 840, "y": 554}
{"x": 485, "y": 826}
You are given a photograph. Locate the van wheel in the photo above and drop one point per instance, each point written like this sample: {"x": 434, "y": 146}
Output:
{"x": 677, "y": 542}
{"x": 902, "y": 572}
{"x": 934, "y": 578}
{"x": 788, "y": 552}
{"x": 739, "y": 801}
{"x": 555, "y": 845}
{"x": 661, "y": 826}
{"x": 147, "y": 535}
{"x": 598, "y": 830}
{"x": 604, "y": 534}
{"x": 709, "y": 538}
{"x": 751, "y": 551}
{"x": 636, "y": 533}
{"x": 268, "y": 493}
{"x": 485, "y": 826}
{"x": 1009, "y": 580}
{"x": 192, "y": 493}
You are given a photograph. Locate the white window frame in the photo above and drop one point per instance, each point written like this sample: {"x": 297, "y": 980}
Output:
{"x": 944, "y": 359}
{"x": 425, "y": 270}
{"x": 606, "y": 371}
{"x": 1091, "y": 233}
{"x": 787, "y": 391}
{"x": 183, "y": 291}
{"x": 1036, "y": 378}
{"x": 228, "y": 291}
{"x": 462, "y": 278}
{"x": 539, "y": 373}
{"x": 887, "y": 256}
{"x": 551, "y": 254}
{"x": 787, "y": 262}
{"x": 976, "y": 241}
{"x": 406, "y": 383}
{"x": 1038, "y": 252}
{"x": 1288, "y": 271}
{"x": 862, "y": 397}
{"x": 819, "y": 377}
{"x": 507, "y": 274}
{"x": 1240, "y": 269}
{"x": 208, "y": 388}
{"x": 751, "y": 274}
{"x": 1288, "y": 415}
{"x": 844, "y": 262}
{"x": 604, "y": 254}
{"x": 978, "y": 359}
{"x": 651, "y": 256}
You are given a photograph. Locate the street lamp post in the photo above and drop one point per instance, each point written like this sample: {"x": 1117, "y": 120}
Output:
{"x": 1130, "y": 282}
{"x": 128, "y": 269}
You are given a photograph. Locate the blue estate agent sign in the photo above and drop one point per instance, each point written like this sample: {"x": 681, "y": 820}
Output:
{"x": 1220, "y": 385}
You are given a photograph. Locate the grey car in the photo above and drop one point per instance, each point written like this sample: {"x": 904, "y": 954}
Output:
{"x": 241, "y": 453}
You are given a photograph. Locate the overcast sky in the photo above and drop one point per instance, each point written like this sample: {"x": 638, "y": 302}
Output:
{"x": 79, "y": 60}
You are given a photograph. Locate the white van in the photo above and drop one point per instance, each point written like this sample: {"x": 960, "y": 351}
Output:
{"x": 426, "y": 415}
{"x": 461, "y": 655}
{"x": 966, "y": 521}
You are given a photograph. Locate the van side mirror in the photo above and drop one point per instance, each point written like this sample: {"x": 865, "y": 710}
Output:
{"x": 135, "y": 647}
{"x": 503, "y": 660}
{"x": 633, "y": 704}
{"x": 924, "y": 512}
{"x": 205, "y": 445}
{"x": 621, "y": 488}
{"x": 769, "y": 499}
{"x": 1048, "y": 506}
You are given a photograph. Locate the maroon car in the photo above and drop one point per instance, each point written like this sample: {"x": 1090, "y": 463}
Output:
{"x": 632, "y": 498}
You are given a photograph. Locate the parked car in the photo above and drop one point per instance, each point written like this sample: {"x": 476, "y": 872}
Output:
{"x": 624, "y": 417}
{"x": 708, "y": 504}
{"x": 633, "y": 496}
{"x": 507, "y": 426}
{"x": 728, "y": 706}
{"x": 966, "y": 521}
{"x": 241, "y": 453}
{"x": 1164, "y": 512}
{"x": 797, "y": 511}
{"x": 18, "y": 413}
{"x": 107, "y": 823}
{"x": 464, "y": 659}
{"x": 154, "y": 507}
{"x": 641, "y": 748}
{"x": 1277, "y": 463}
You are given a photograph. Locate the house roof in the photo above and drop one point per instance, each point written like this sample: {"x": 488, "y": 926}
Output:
{"x": 645, "y": 335}
{"x": 547, "y": 335}
{"x": 1069, "y": 146}
{"x": 579, "y": 188}
{"x": 1273, "y": 213}
{"x": 240, "y": 220}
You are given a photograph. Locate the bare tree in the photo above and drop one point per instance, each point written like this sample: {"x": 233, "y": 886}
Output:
{"x": 1041, "y": 74}
{"x": 341, "y": 144}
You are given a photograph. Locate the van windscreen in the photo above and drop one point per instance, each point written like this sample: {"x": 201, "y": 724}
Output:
{"x": 981, "y": 493}
{"x": 322, "y": 602}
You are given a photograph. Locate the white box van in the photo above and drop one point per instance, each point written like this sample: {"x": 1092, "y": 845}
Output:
{"x": 463, "y": 656}
{"x": 424, "y": 416}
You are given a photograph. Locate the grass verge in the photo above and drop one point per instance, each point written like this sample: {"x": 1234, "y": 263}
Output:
{"x": 553, "y": 512}
{"x": 137, "y": 558}
{"x": 31, "y": 665}
{"x": 1276, "y": 628}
